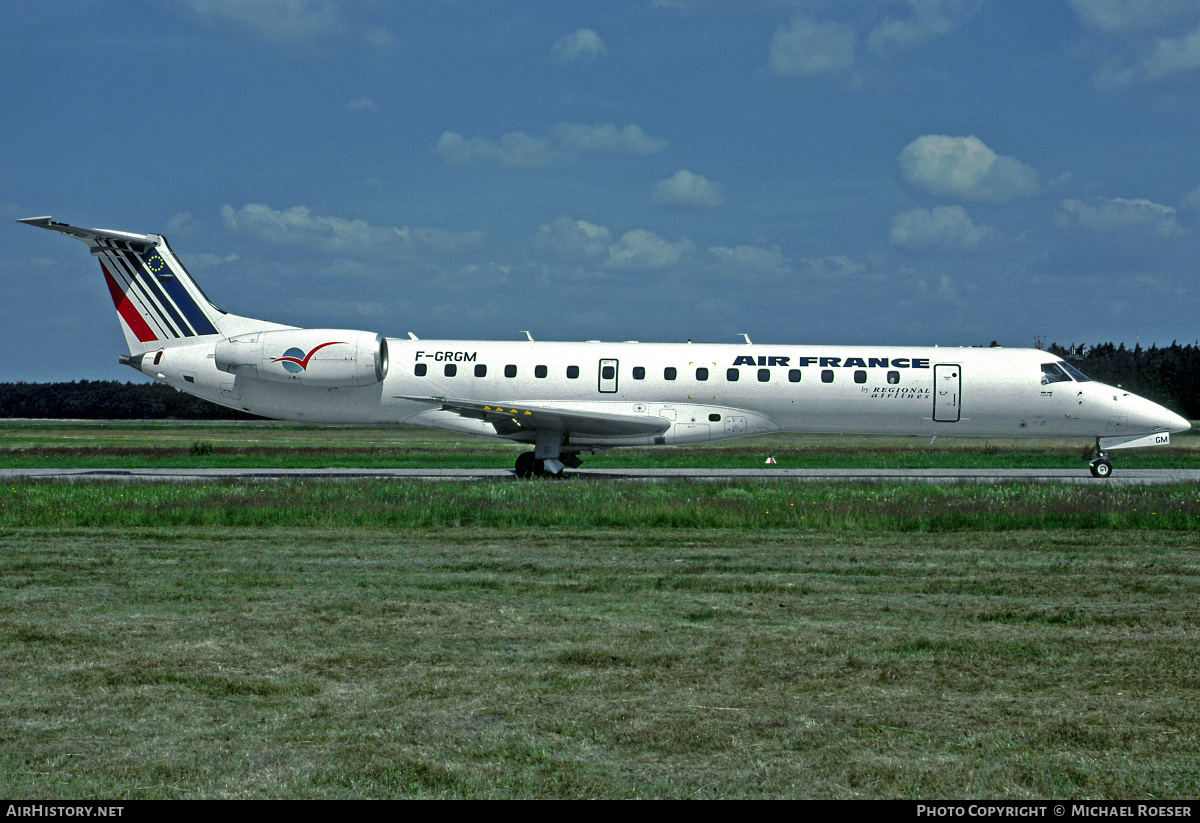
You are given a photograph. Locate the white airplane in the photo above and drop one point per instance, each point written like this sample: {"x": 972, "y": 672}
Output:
{"x": 568, "y": 398}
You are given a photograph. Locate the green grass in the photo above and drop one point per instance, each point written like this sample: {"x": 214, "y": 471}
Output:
{"x": 744, "y": 505}
{"x": 591, "y": 638}
{"x": 531, "y": 662}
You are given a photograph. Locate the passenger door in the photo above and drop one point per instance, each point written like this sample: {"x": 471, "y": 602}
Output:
{"x": 947, "y": 392}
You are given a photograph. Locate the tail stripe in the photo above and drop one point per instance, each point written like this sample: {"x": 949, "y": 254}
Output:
{"x": 140, "y": 294}
{"x": 166, "y": 296}
{"x": 185, "y": 302}
{"x": 150, "y": 283}
{"x": 127, "y": 310}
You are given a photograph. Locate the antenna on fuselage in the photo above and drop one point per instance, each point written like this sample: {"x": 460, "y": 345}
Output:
{"x": 743, "y": 334}
{"x": 528, "y": 336}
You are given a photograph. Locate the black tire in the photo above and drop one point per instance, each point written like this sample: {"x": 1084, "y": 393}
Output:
{"x": 1101, "y": 469}
{"x": 527, "y": 465}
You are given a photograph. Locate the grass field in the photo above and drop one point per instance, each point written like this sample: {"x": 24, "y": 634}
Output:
{"x": 597, "y": 639}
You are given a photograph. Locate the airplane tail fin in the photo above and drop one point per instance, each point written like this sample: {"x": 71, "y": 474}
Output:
{"x": 157, "y": 300}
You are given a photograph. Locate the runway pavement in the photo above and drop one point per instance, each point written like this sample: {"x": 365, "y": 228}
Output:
{"x": 1080, "y": 475}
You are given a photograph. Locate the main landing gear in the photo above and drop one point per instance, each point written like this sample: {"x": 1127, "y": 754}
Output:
{"x": 1099, "y": 464}
{"x": 528, "y": 465}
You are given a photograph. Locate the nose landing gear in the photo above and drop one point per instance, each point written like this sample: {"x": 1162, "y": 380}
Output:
{"x": 1099, "y": 464}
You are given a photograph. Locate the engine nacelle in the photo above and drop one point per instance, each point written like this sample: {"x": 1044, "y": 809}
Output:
{"x": 326, "y": 358}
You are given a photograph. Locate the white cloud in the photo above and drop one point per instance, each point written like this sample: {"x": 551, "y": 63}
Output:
{"x": 834, "y": 268}
{"x": 966, "y": 168}
{"x": 363, "y": 103}
{"x": 567, "y": 141}
{"x": 1143, "y": 41}
{"x": 515, "y": 148}
{"x": 1130, "y": 15}
{"x": 1192, "y": 199}
{"x": 687, "y": 189}
{"x": 182, "y": 225}
{"x": 945, "y": 227}
{"x": 1167, "y": 57}
{"x": 944, "y": 289}
{"x": 574, "y": 239}
{"x": 607, "y": 138}
{"x": 1122, "y": 217}
{"x": 580, "y": 45}
{"x": 299, "y": 226}
{"x": 752, "y": 259}
{"x": 644, "y": 250}
{"x": 379, "y": 38}
{"x": 928, "y": 19}
{"x": 808, "y": 47}
{"x": 579, "y": 241}
{"x": 1172, "y": 56}
{"x": 281, "y": 21}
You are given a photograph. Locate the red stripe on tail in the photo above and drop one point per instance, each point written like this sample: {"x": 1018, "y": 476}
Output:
{"x": 127, "y": 310}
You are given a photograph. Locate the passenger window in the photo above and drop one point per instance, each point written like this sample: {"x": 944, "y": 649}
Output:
{"x": 827, "y": 375}
{"x": 450, "y": 370}
{"x": 714, "y": 418}
{"x": 732, "y": 375}
{"x": 639, "y": 372}
{"x": 669, "y": 373}
{"x": 764, "y": 375}
{"x": 793, "y": 375}
{"x": 539, "y": 371}
{"x": 893, "y": 377}
{"x": 481, "y": 370}
{"x": 1053, "y": 374}
{"x": 608, "y": 373}
{"x": 510, "y": 371}
{"x": 572, "y": 372}
{"x": 701, "y": 374}
{"x": 420, "y": 369}
{"x": 860, "y": 376}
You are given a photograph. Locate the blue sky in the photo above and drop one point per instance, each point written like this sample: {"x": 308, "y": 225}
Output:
{"x": 945, "y": 172}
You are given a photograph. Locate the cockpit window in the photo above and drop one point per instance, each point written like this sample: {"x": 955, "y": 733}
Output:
{"x": 1079, "y": 376}
{"x": 1051, "y": 373}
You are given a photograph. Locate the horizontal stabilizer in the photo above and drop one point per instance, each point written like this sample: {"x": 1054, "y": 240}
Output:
{"x": 91, "y": 236}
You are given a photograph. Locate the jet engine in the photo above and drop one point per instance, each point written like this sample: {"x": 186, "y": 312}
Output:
{"x": 324, "y": 358}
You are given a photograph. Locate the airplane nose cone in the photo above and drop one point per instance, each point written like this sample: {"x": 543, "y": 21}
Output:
{"x": 1177, "y": 423}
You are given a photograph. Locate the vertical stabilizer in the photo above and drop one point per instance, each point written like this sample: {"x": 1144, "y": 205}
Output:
{"x": 156, "y": 299}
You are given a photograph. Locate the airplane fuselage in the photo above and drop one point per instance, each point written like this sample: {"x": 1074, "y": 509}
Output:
{"x": 703, "y": 391}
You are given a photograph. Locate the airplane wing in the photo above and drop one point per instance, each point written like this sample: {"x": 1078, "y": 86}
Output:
{"x": 510, "y": 419}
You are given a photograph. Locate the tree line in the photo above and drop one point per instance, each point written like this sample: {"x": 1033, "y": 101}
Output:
{"x": 1169, "y": 375}
{"x": 109, "y": 400}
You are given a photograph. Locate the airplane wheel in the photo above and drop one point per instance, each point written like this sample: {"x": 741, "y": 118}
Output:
{"x": 539, "y": 470}
{"x": 1101, "y": 468}
{"x": 526, "y": 465}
